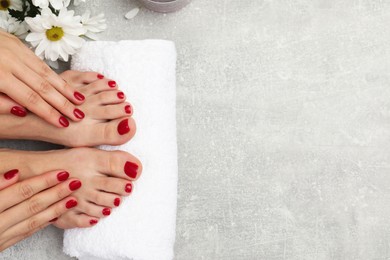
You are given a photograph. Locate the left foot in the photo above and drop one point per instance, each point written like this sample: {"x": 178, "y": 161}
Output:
{"x": 107, "y": 116}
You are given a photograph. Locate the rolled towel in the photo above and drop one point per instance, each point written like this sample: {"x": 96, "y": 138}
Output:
{"x": 143, "y": 227}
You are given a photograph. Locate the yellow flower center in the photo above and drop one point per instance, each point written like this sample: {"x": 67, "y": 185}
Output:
{"x": 55, "y": 33}
{"x": 4, "y": 4}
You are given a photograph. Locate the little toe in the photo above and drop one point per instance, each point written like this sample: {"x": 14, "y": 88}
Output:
{"x": 74, "y": 219}
{"x": 98, "y": 86}
{"x": 78, "y": 78}
{"x": 113, "y": 185}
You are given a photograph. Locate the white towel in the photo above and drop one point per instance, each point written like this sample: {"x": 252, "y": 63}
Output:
{"x": 143, "y": 227}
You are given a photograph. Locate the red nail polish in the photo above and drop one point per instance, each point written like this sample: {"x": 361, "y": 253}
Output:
{"x": 128, "y": 187}
{"x": 53, "y": 220}
{"x": 112, "y": 84}
{"x": 64, "y": 122}
{"x": 121, "y": 95}
{"x": 18, "y": 111}
{"x": 74, "y": 185}
{"x": 78, "y": 113}
{"x": 131, "y": 169}
{"x": 71, "y": 204}
{"x": 106, "y": 211}
{"x": 10, "y": 174}
{"x": 117, "y": 202}
{"x": 123, "y": 127}
{"x": 100, "y": 76}
{"x": 62, "y": 176}
{"x": 93, "y": 222}
{"x": 79, "y": 96}
{"x": 128, "y": 109}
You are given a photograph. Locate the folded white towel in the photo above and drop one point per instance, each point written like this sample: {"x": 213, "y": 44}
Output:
{"x": 143, "y": 227}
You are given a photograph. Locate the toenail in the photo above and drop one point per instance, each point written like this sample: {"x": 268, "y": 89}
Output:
{"x": 53, "y": 220}
{"x": 112, "y": 84}
{"x": 93, "y": 222}
{"x": 74, "y": 185}
{"x": 117, "y": 202}
{"x": 64, "y": 122}
{"x": 78, "y": 113}
{"x": 131, "y": 169}
{"x": 10, "y": 174}
{"x": 128, "y": 187}
{"x": 18, "y": 111}
{"x": 128, "y": 109}
{"x": 121, "y": 95}
{"x": 100, "y": 76}
{"x": 123, "y": 127}
{"x": 106, "y": 211}
{"x": 62, "y": 176}
{"x": 71, "y": 204}
{"x": 79, "y": 96}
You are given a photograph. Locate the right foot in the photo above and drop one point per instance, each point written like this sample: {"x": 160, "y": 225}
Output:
{"x": 105, "y": 177}
{"x": 107, "y": 117}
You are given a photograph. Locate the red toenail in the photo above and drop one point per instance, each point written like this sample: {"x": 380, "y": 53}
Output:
{"x": 18, "y": 111}
{"x": 64, "y": 122}
{"x": 79, "y": 96}
{"x": 78, "y": 113}
{"x": 123, "y": 127}
{"x": 74, "y": 185}
{"x": 53, "y": 220}
{"x": 117, "y": 202}
{"x": 121, "y": 95}
{"x": 10, "y": 174}
{"x": 106, "y": 211}
{"x": 62, "y": 176}
{"x": 128, "y": 187}
{"x": 71, "y": 204}
{"x": 93, "y": 222}
{"x": 112, "y": 84}
{"x": 100, "y": 76}
{"x": 128, "y": 109}
{"x": 131, "y": 169}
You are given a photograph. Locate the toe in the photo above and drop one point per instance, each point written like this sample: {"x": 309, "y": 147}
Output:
{"x": 99, "y": 86}
{"x": 105, "y": 199}
{"x": 73, "y": 219}
{"x": 119, "y": 164}
{"x": 110, "y": 112}
{"x": 115, "y": 132}
{"x": 79, "y": 79}
{"x": 108, "y": 97}
{"x": 93, "y": 210}
{"x": 117, "y": 186}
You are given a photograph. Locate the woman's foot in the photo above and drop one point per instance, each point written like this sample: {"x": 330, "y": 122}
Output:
{"x": 107, "y": 117}
{"x": 105, "y": 177}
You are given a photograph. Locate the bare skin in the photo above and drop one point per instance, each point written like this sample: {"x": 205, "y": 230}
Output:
{"x": 107, "y": 116}
{"x": 30, "y": 82}
{"x": 106, "y": 176}
{"x": 30, "y": 205}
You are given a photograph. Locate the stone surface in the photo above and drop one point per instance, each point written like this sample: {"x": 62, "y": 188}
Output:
{"x": 283, "y": 127}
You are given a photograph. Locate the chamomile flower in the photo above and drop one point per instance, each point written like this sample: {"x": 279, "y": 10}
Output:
{"x": 57, "y": 4}
{"x": 55, "y": 36}
{"x": 13, "y": 26}
{"x": 94, "y": 24}
{"x": 11, "y": 4}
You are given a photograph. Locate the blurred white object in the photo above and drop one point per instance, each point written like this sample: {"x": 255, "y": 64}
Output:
{"x": 132, "y": 13}
{"x": 164, "y": 6}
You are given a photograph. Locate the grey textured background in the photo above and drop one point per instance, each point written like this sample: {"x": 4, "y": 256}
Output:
{"x": 283, "y": 128}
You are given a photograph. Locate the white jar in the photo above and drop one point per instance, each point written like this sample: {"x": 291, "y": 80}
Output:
{"x": 164, "y": 6}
